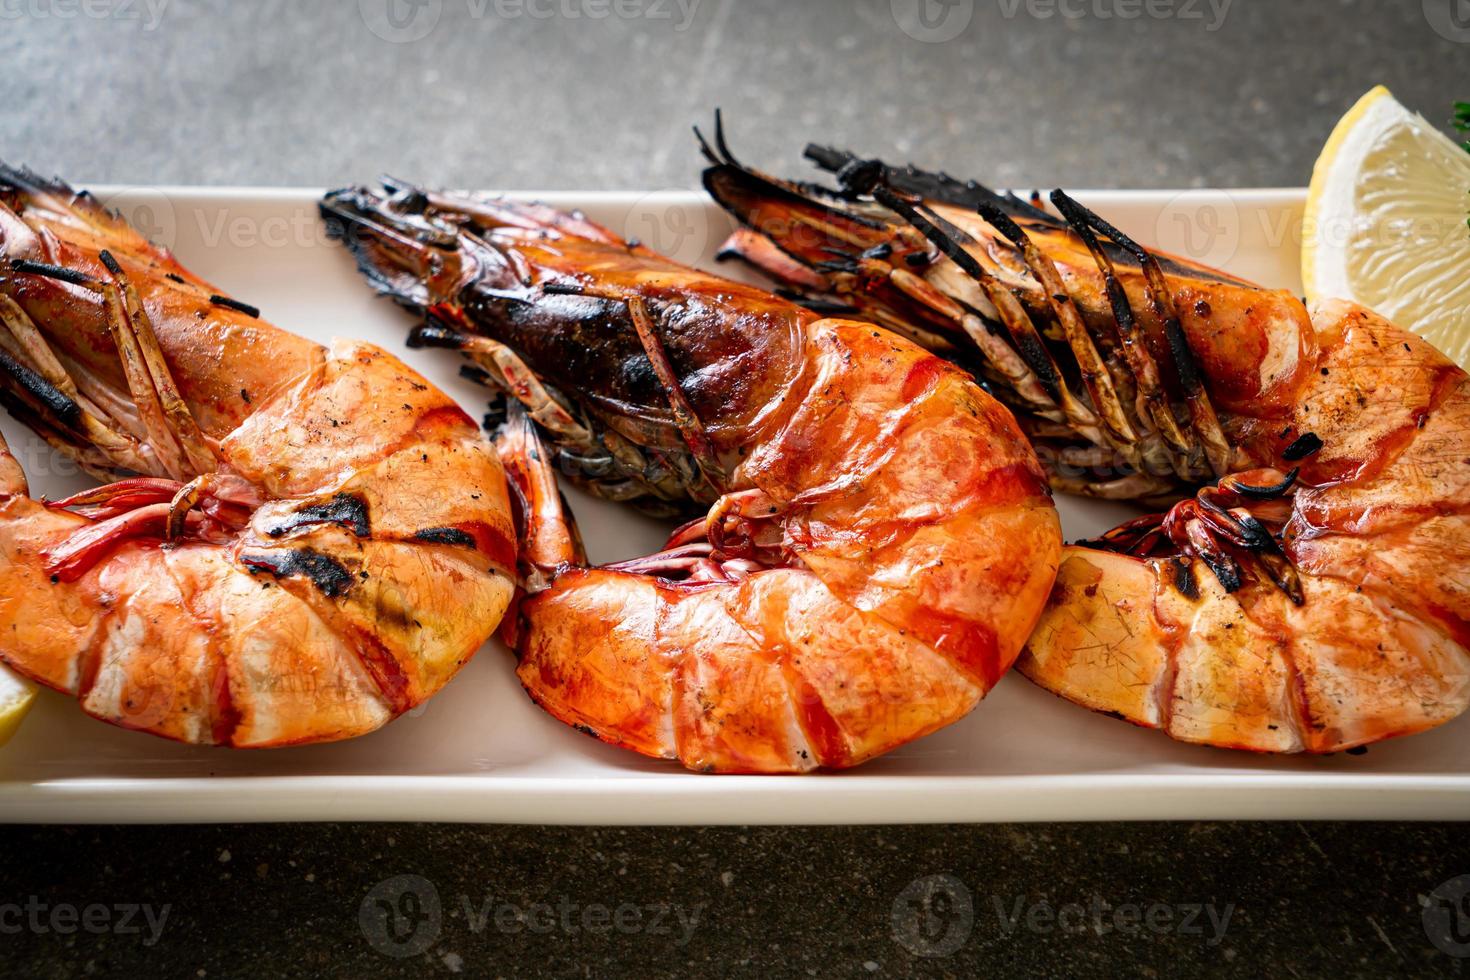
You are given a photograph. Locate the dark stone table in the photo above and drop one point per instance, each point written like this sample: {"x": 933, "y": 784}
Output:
{"x": 601, "y": 94}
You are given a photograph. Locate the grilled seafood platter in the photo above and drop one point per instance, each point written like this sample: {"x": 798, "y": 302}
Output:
{"x": 289, "y": 544}
{"x": 292, "y": 543}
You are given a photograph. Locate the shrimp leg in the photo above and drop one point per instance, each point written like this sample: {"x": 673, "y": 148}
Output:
{"x": 23, "y": 340}
{"x": 173, "y": 434}
{"x": 509, "y": 373}
{"x": 134, "y": 331}
{"x": 549, "y": 538}
{"x": 12, "y": 477}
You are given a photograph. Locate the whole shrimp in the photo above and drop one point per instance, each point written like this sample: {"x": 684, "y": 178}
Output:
{"x": 877, "y": 537}
{"x": 294, "y": 544}
{"x": 1310, "y": 593}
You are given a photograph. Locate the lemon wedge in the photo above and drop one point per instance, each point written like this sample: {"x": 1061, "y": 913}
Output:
{"x": 16, "y": 695}
{"x": 1385, "y": 223}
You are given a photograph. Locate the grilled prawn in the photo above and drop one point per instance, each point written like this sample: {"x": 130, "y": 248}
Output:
{"x": 877, "y": 537}
{"x": 293, "y": 544}
{"x": 1309, "y": 593}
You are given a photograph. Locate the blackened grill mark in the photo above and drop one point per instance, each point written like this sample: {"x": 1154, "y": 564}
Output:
{"x": 445, "y": 535}
{"x": 234, "y": 304}
{"x": 53, "y": 272}
{"x": 487, "y": 539}
{"x": 475, "y": 373}
{"x": 1184, "y": 578}
{"x": 1227, "y": 572}
{"x": 1035, "y": 356}
{"x": 1305, "y": 445}
{"x": 324, "y": 571}
{"x": 1183, "y": 356}
{"x": 66, "y": 410}
{"x": 345, "y": 510}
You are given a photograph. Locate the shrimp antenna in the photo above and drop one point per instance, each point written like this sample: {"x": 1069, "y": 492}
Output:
{"x": 928, "y": 185}
{"x": 720, "y": 155}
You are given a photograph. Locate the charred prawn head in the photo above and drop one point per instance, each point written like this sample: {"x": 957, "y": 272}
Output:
{"x": 1084, "y": 333}
{"x": 648, "y": 377}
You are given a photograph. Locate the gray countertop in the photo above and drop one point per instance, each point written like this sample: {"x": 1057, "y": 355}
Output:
{"x": 601, "y": 94}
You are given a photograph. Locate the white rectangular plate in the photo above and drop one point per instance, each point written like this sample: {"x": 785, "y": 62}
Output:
{"x": 480, "y": 751}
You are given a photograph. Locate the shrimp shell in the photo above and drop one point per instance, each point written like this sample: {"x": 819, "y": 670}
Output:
{"x": 1379, "y": 533}
{"x": 319, "y": 539}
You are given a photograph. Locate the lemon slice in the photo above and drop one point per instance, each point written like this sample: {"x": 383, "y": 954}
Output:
{"x": 16, "y": 695}
{"x": 1385, "y": 222}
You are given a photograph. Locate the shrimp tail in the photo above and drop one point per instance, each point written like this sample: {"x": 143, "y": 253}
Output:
{"x": 549, "y": 539}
